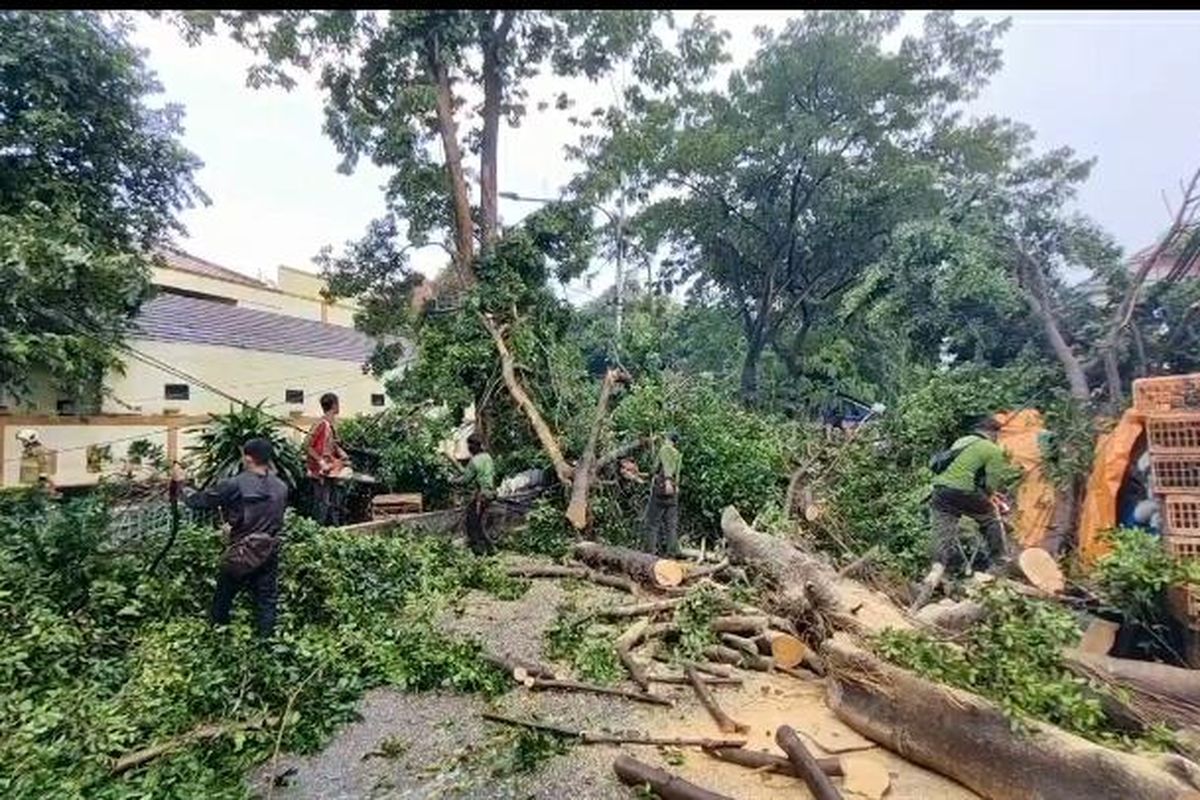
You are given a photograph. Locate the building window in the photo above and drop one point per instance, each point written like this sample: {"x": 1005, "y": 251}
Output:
{"x": 65, "y": 406}
{"x": 175, "y": 391}
{"x": 294, "y": 396}
{"x": 376, "y": 399}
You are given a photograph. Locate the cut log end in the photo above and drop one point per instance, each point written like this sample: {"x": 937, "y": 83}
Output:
{"x": 785, "y": 649}
{"x": 1041, "y": 570}
{"x": 668, "y": 573}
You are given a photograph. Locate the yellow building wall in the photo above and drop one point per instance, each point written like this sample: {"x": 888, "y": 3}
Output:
{"x": 71, "y": 444}
{"x": 251, "y": 375}
{"x": 298, "y": 294}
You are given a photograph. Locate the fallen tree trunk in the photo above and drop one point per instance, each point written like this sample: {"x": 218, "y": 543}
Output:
{"x": 539, "y": 684}
{"x": 642, "y": 567}
{"x": 725, "y": 723}
{"x": 587, "y": 737}
{"x": 805, "y": 765}
{"x": 667, "y": 786}
{"x": 201, "y": 733}
{"x": 638, "y": 609}
{"x": 972, "y": 741}
{"x": 1156, "y": 692}
{"x": 783, "y": 648}
{"x": 952, "y": 616}
{"x": 739, "y": 624}
{"x": 578, "y": 573}
{"x": 755, "y": 759}
{"x": 581, "y": 482}
{"x": 520, "y": 669}
{"x": 804, "y": 583}
{"x": 545, "y": 436}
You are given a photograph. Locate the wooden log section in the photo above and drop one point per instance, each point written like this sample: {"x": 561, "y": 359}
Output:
{"x": 805, "y": 765}
{"x": 539, "y": 684}
{"x": 751, "y": 626}
{"x": 758, "y": 760}
{"x": 624, "y": 645}
{"x": 783, "y": 648}
{"x": 725, "y": 723}
{"x": 588, "y": 737}
{"x": 578, "y": 573}
{"x": 520, "y": 669}
{"x": 577, "y": 508}
{"x": 665, "y": 785}
{"x": 642, "y": 567}
{"x": 971, "y": 740}
{"x": 1154, "y": 692}
{"x": 639, "y": 609}
{"x": 723, "y": 654}
{"x": 682, "y": 680}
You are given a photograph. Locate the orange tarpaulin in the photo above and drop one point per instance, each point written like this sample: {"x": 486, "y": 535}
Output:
{"x": 1099, "y": 512}
{"x": 1019, "y": 437}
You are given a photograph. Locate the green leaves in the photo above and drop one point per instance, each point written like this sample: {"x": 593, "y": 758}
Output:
{"x": 218, "y": 450}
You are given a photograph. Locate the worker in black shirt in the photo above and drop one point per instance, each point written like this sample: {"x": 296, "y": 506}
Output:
{"x": 253, "y": 503}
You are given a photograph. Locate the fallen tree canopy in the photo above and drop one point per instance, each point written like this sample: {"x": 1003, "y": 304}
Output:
{"x": 967, "y": 738}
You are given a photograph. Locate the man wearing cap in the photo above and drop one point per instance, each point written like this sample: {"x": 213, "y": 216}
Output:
{"x": 253, "y": 503}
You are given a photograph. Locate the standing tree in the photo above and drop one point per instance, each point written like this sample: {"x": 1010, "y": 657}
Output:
{"x": 90, "y": 179}
{"x": 788, "y": 185}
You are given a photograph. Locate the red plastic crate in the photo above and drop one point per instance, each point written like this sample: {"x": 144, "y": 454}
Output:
{"x": 1175, "y": 474}
{"x": 1173, "y": 433}
{"x": 1170, "y": 393}
{"x": 1181, "y": 516}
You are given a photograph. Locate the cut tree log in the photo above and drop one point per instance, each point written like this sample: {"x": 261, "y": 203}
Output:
{"x": 728, "y": 655}
{"x": 578, "y": 573}
{"x": 696, "y": 571}
{"x": 520, "y": 669}
{"x": 1155, "y": 692}
{"x": 681, "y": 680}
{"x": 644, "y": 568}
{"x": 539, "y": 684}
{"x": 1099, "y": 637}
{"x": 625, "y": 643}
{"x": 585, "y": 469}
{"x": 740, "y": 625}
{"x": 716, "y": 670}
{"x": 200, "y": 733}
{"x": 758, "y": 760}
{"x": 802, "y": 580}
{"x": 783, "y": 648}
{"x": 1041, "y": 570}
{"x": 972, "y": 741}
{"x": 638, "y": 609}
{"x": 665, "y": 785}
{"x": 740, "y": 643}
{"x": 725, "y": 723}
{"x": 545, "y": 436}
{"x": 587, "y": 737}
{"x": 951, "y": 616}
{"x": 805, "y": 764}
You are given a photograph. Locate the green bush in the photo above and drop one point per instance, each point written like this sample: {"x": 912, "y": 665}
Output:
{"x": 218, "y": 452}
{"x": 97, "y": 658}
{"x": 405, "y": 445}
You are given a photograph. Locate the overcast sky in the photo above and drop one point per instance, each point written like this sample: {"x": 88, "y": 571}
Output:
{"x": 1123, "y": 87}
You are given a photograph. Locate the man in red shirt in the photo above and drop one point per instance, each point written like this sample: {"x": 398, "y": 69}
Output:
{"x": 325, "y": 457}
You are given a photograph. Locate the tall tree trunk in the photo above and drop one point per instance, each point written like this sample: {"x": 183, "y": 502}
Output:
{"x": 1038, "y": 297}
{"x": 493, "y": 95}
{"x": 464, "y": 228}
{"x": 755, "y": 344}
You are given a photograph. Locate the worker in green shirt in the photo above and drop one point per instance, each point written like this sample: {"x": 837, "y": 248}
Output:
{"x": 480, "y": 479}
{"x": 966, "y": 479}
{"x": 661, "y": 535}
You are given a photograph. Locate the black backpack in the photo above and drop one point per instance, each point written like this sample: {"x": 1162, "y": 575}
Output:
{"x": 941, "y": 461}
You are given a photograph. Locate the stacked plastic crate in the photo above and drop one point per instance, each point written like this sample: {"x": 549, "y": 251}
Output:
{"x": 1171, "y": 408}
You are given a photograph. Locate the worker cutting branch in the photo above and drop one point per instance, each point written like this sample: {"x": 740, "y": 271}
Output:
{"x": 968, "y": 481}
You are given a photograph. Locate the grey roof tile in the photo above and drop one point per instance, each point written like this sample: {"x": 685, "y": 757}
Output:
{"x": 175, "y": 318}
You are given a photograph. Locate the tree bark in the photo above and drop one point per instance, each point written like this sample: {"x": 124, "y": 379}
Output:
{"x": 577, "y": 509}
{"x": 1157, "y": 692}
{"x": 971, "y": 740}
{"x": 539, "y": 684}
{"x": 665, "y": 785}
{"x": 464, "y": 226}
{"x": 624, "y": 644}
{"x": 1037, "y": 295}
{"x": 805, "y": 765}
{"x": 545, "y": 436}
{"x": 578, "y": 573}
{"x": 587, "y": 737}
{"x": 520, "y": 669}
{"x": 755, "y": 344}
{"x": 725, "y": 723}
{"x": 493, "y": 42}
{"x": 644, "y": 568}
{"x": 639, "y": 609}
{"x": 723, "y": 654}
{"x": 759, "y": 761}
